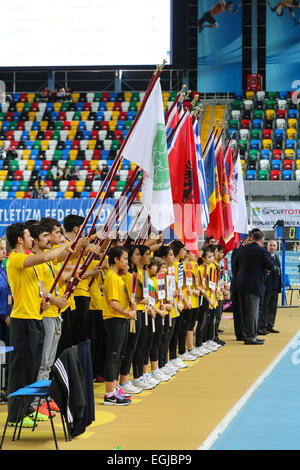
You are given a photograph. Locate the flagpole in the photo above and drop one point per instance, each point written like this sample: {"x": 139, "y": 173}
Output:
{"x": 111, "y": 174}
{"x": 134, "y": 224}
{"x": 178, "y": 98}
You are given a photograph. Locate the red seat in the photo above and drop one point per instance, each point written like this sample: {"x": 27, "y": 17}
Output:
{"x": 104, "y": 125}
{"x": 87, "y": 106}
{"x": 76, "y": 145}
{"x": 277, "y": 154}
{"x": 21, "y": 125}
{"x": 105, "y": 96}
{"x": 62, "y": 116}
{"x": 27, "y": 195}
{"x": 48, "y": 135}
{"x": 14, "y": 144}
{"x": 288, "y": 164}
{"x": 18, "y": 175}
{"x": 85, "y": 165}
{"x": 34, "y": 107}
{"x": 23, "y": 97}
{"x": 281, "y": 113}
{"x": 48, "y": 183}
{"x": 117, "y": 106}
{"x": 122, "y": 116}
{"x": 97, "y": 155}
{"x": 9, "y": 116}
{"x": 94, "y": 135}
{"x": 46, "y": 164}
{"x": 72, "y": 186}
{"x": 66, "y": 125}
{"x": 118, "y": 135}
{"x": 93, "y": 194}
{"x": 267, "y": 133}
{"x": 90, "y": 175}
{"x": 275, "y": 174}
{"x": 245, "y": 123}
{"x": 10, "y": 135}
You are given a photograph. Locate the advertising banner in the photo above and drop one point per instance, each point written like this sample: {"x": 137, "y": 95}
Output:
{"x": 282, "y": 45}
{"x": 263, "y": 215}
{"x": 219, "y": 46}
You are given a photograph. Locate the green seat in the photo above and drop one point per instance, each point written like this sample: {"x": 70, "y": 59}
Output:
{"x": 255, "y": 133}
{"x": 115, "y": 145}
{"x": 127, "y": 125}
{"x": 37, "y": 96}
{"x": 2, "y": 116}
{"x": 173, "y": 95}
{"x": 270, "y": 104}
{"x": 97, "y": 96}
{"x": 258, "y": 114}
{"x": 65, "y": 106}
{"x": 57, "y": 155}
{"x": 253, "y": 154}
{"x": 14, "y": 165}
{"x": 6, "y": 185}
{"x": 27, "y": 107}
{"x": 234, "y": 124}
{"x": 36, "y": 145}
{"x": 263, "y": 174}
{"x": 272, "y": 95}
{"x": 23, "y": 185}
{"x": 237, "y": 104}
{"x": 56, "y": 134}
{"x": 58, "y": 125}
{"x": 132, "y": 106}
{"x": 135, "y": 96}
{"x": 121, "y": 185}
{"x": 71, "y": 164}
{"x": 13, "y": 126}
{"x": 243, "y": 144}
{"x": 77, "y": 116}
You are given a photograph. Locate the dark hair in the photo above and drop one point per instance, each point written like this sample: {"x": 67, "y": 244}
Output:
{"x": 36, "y": 230}
{"x": 206, "y": 250}
{"x": 143, "y": 249}
{"x": 30, "y": 222}
{"x": 163, "y": 251}
{"x": 176, "y": 246}
{"x": 71, "y": 221}
{"x": 257, "y": 235}
{"x": 219, "y": 247}
{"x": 50, "y": 223}
{"x": 115, "y": 252}
{"x": 13, "y": 232}
{"x": 159, "y": 262}
{"x": 131, "y": 249}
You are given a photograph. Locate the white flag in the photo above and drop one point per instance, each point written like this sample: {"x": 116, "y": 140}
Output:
{"x": 147, "y": 147}
{"x": 241, "y": 224}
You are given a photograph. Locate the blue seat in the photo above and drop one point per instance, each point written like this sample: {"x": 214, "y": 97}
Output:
{"x": 49, "y": 106}
{"x": 15, "y": 185}
{"x": 265, "y": 154}
{"x": 60, "y": 195}
{"x": 113, "y": 96}
{"x": 120, "y": 125}
{"x": 292, "y": 113}
{"x": 232, "y": 133}
{"x": 85, "y": 194}
{"x": 99, "y": 116}
{"x": 257, "y": 123}
{"x": 43, "y": 173}
{"x": 287, "y": 175}
{"x": 65, "y": 154}
{"x": 35, "y": 126}
{"x": 86, "y": 135}
{"x": 279, "y": 134}
{"x": 38, "y": 165}
{"x": 34, "y": 154}
{"x": 16, "y": 97}
{"x": 254, "y": 144}
{"x": 102, "y": 106}
{"x": 104, "y": 154}
{"x": 275, "y": 164}
{"x": 126, "y": 165}
{"x": 54, "y": 115}
{"x": 68, "y": 144}
{"x": 298, "y": 153}
{"x": 5, "y": 126}
{"x": 1, "y": 164}
{"x": 25, "y": 135}
{"x": 81, "y": 125}
{"x": 124, "y": 133}
{"x": 78, "y": 163}
{"x": 251, "y": 174}
{"x": 131, "y": 115}
{"x": 282, "y": 95}
{"x": 109, "y": 163}
{"x": 29, "y": 144}
{"x": 290, "y": 143}
{"x": 79, "y": 106}
{"x": 16, "y": 116}
{"x": 11, "y": 195}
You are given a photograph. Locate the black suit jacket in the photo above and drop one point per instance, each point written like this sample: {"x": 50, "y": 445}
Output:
{"x": 250, "y": 264}
{"x": 273, "y": 279}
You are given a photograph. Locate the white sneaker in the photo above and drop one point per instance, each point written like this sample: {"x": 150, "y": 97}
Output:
{"x": 130, "y": 389}
{"x": 216, "y": 345}
{"x": 203, "y": 350}
{"x": 209, "y": 346}
{"x": 179, "y": 363}
{"x": 141, "y": 383}
{"x": 171, "y": 366}
{"x": 150, "y": 380}
{"x": 167, "y": 371}
{"x": 187, "y": 357}
{"x": 159, "y": 375}
{"x": 196, "y": 352}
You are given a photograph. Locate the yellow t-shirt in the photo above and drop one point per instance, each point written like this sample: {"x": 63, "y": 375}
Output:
{"x": 140, "y": 289}
{"x": 82, "y": 288}
{"x": 213, "y": 278}
{"x": 46, "y": 273}
{"x": 25, "y": 288}
{"x": 96, "y": 290}
{"x": 114, "y": 289}
{"x": 194, "y": 299}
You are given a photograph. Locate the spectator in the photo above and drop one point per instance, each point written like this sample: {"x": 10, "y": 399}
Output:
{"x": 66, "y": 172}
{"x": 45, "y": 94}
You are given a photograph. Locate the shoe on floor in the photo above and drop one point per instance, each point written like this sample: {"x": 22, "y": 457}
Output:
{"x": 40, "y": 416}
{"x": 187, "y": 357}
{"x": 27, "y": 423}
{"x": 179, "y": 363}
{"x": 116, "y": 400}
{"x": 130, "y": 388}
{"x": 53, "y": 406}
{"x": 142, "y": 383}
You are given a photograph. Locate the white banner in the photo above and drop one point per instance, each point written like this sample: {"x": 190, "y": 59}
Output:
{"x": 264, "y": 215}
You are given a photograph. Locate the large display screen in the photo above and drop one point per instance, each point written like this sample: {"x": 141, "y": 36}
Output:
{"x": 80, "y": 33}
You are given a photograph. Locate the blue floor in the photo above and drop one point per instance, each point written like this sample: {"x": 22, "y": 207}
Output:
{"x": 270, "y": 420}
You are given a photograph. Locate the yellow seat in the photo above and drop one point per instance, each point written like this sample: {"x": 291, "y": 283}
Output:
{"x": 166, "y": 95}
{"x": 138, "y": 105}
{"x": 127, "y": 96}
{"x": 92, "y": 144}
{"x": 74, "y": 125}
{"x": 3, "y": 175}
{"x": 69, "y": 194}
{"x": 73, "y": 154}
{"x": 56, "y": 106}
{"x": 80, "y": 186}
{"x": 270, "y": 113}
{"x": 292, "y": 123}
{"x": 267, "y": 144}
{"x": 93, "y": 165}
{"x": 249, "y": 95}
{"x": 43, "y": 125}
{"x": 115, "y": 115}
{"x": 71, "y": 135}
{"x": 298, "y": 164}
{"x": 32, "y": 135}
{"x": 26, "y": 154}
{"x": 30, "y": 164}
{"x": 44, "y": 145}
{"x": 75, "y": 97}
{"x": 132, "y": 165}
{"x": 31, "y": 115}
{"x": 19, "y": 107}
{"x": 30, "y": 97}
{"x": 291, "y": 133}
{"x": 19, "y": 195}
{"x": 85, "y": 115}
{"x": 289, "y": 153}
{"x": 110, "y": 106}
{"x": 112, "y": 125}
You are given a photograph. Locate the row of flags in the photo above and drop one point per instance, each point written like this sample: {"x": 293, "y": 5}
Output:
{"x": 186, "y": 189}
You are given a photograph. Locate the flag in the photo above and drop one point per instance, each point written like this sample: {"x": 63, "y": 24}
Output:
{"x": 201, "y": 178}
{"x": 185, "y": 184}
{"x": 147, "y": 147}
{"x": 215, "y": 227}
{"x": 172, "y": 120}
{"x": 226, "y": 208}
{"x": 241, "y": 225}
{"x": 231, "y": 186}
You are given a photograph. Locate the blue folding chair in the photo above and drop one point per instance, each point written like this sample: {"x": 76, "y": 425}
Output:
{"x": 265, "y": 154}
{"x": 251, "y": 175}
{"x": 287, "y": 175}
{"x": 290, "y": 143}
{"x": 254, "y": 144}
{"x": 275, "y": 164}
{"x": 279, "y": 134}
{"x": 292, "y": 113}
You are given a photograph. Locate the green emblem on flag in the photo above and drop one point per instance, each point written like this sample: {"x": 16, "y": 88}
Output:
{"x": 161, "y": 176}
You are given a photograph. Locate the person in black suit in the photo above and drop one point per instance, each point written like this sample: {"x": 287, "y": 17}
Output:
{"x": 251, "y": 263}
{"x": 236, "y": 309}
{"x": 272, "y": 289}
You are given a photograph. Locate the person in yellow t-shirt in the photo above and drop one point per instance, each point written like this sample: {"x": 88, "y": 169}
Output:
{"x": 201, "y": 330}
{"x": 116, "y": 313}
{"x": 219, "y": 255}
{"x": 26, "y": 325}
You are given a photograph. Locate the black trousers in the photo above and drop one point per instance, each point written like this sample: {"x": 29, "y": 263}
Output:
{"x": 27, "y": 338}
{"x": 157, "y": 337}
{"x": 141, "y": 346}
{"x": 173, "y": 348}
{"x": 202, "y": 322}
{"x": 237, "y": 314}
{"x": 131, "y": 345}
{"x": 185, "y": 325}
{"x": 268, "y": 310}
{"x": 250, "y": 310}
{"x": 80, "y": 321}
{"x": 194, "y": 318}
{"x": 219, "y": 311}
{"x": 165, "y": 342}
{"x": 97, "y": 342}
{"x": 116, "y": 330}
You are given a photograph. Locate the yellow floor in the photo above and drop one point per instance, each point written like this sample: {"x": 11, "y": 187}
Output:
{"x": 179, "y": 414}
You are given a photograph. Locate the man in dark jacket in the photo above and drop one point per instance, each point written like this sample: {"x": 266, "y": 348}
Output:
{"x": 272, "y": 289}
{"x": 251, "y": 263}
